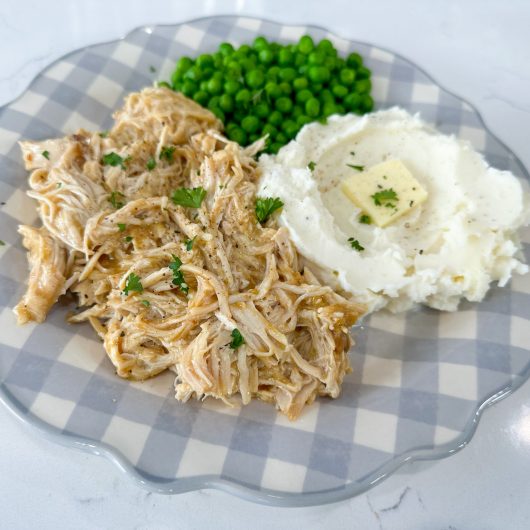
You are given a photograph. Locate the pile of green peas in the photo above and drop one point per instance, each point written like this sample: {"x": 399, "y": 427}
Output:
{"x": 274, "y": 89}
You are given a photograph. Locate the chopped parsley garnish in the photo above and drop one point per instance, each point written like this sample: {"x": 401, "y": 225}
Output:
{"x": 167, "y": 152}
{"x": 133, "y": 283}
{"x": 46, "y": 155}
{"x": 355, "y": 244}
{"x": 358, "y": 168}
{"x": 365, "y": 219}
{"x": 59, "y": 184}
{"x": 122, "y": 227}
{"x": 311, "y": 165}
{"x": 386, "y": 198}
{"x": 189, "y": 243}
{"x": 114, "y": 159}
{"x": 352, "y": 153}
{"x": 146, "y": 303}
{"x": 189, "y": 197}
{"x": 116, "y": 199}
{"x": 151, "y": 164}
{"x": 152, "y": 69}
{"x": 104, "y": 134}
{"x": 237, "y": 339}
{"x": 2, "y": 243}
{"x": 128, "y": 239}
{"x": 178, "y": 277}
{"x": 266, "y": 206}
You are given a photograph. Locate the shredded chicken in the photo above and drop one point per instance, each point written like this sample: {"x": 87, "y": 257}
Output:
{"x": 104, "y": 224}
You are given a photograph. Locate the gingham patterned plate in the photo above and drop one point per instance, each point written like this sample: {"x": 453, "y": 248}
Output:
{"x": 420, "y": 380}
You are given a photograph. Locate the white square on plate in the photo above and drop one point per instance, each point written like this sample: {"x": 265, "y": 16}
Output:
{"x": 292, "y": 32}
{"x": 53, "y": 410}
{"x": 381, "y": 372}
{"x": 252, "y": 24}
{"x": 85, "y": 354}
{"x": 390, "y": 322}
{"x": 60, "y": 70}
{"x": 105, "y": 91}
{"x": 202, "y": 458}
{"x": 443, "y": 435}
{"x": 307, "y": 421}
{"x": 458, "y": 325}
{"x": 129, "y": 436}
{"x": 425, "y": 93}
{"x": 477, "y": 137}
{"x": 376, "y": 430}
{"x": 127, "y": 53}
{"x": 283, "y": 476}
{"x": 21, "y": 207}
{"x": 12, "y": 334}
{"x": 520, "y": 332}
{"x": 189, "y": 36}
{"x": 29, "y": 103}
{"x": 457, "y": 380}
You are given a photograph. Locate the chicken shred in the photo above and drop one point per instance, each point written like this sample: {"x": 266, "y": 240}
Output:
{"x": 240, "y": 274}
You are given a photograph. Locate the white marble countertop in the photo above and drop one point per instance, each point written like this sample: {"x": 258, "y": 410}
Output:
{"x": 479, "y": 50}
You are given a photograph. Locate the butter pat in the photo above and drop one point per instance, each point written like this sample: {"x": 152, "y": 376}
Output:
{"x": 385, "y": 192}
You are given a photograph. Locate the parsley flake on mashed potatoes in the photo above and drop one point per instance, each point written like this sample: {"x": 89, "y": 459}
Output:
{"x": 449, "y": 247}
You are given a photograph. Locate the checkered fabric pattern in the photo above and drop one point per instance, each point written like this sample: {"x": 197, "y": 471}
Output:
{"x": 418, "y": 380}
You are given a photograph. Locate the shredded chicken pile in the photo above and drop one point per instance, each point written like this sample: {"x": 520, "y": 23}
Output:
{"x": 104, "y": 223}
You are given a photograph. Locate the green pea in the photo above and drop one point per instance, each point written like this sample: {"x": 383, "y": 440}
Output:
{"x": 329, "y": 109}
{"x": 194, "y": 74}
{"x": 326, "y": 95}
{"x": 226, "y": 103}
{"x": 273, "y": 73}
{"x": 354, "y": 60}
{"x": 317, "y": 58}
{"x": 261, "y": 110}
{"x": 316, "y": 88}
{"x": 272, "y": 90}
{"x": 282, "y": 138}
{"x": 331, "y": 64}
{"x": 217, "y": 59}
{"x": 285, "y": 57}
{"x": 341, "y": 109}
{"x": 248, "y": 64}
{"x": 269, "y": 129}
{"x": 347, "y": 76}
{"x": 303, "y": 69}
{"x": 303, "y": 120}
{"x": 176, "y": 77}
{"x": 275, "y": 117}
{"x": 367, "y": 103}
{"x": 201, "y": 97}
{"x": 290, "y": 128}
{"x": 213, "y": 103}
{"x": 363, "y": 73}
{"x": 300, "y": 83}
{"x": 303, "y": 96}
{"x": 205, "y": 61}
{"x": 284, "y": 105}
{"x": 286, "y": 88}
{"x": 163, "y": 84}
{"x": 219, "y": 113}
{"x": 244, "y": 50}
{"x": 189, "y": 88}
{"x": 287, "y": 74}
{"x": 299, "y": 59}
{"x": 260, "y": 43}
{"x": 318, "y": 74}
{"x": 306, "y": 45}
{"x": 226, "y": 48}
{"x": 215, "y": 86}
{"x": 203, "y": 85}
{"x": 312, "y": 107}
{"x": 266, "y": 56}
{"x": 363, "y": 86}
{"x": 184, "y": 63}
{"x": 253, "y": 138}
{"x": 325, "y": 46}
{"x": 237, "y": 134}
{"x": 297, "y": 111}
{"x": 275, "y": 147}
{"x": 243, "y": 97}
{"x": 339, "y": 91}
{"x": 233, "y": 71}
{"x": 352, "y": 101}
{"x": 231, "y": 87}
{"x": 255, "y": 78}
{"x": 250, "y": 124}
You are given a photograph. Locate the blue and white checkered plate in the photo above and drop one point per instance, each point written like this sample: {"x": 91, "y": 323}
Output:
{"x": 420, "y": 380}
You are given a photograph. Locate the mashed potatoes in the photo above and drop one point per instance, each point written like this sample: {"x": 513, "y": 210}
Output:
{"x": 452, "y": 246}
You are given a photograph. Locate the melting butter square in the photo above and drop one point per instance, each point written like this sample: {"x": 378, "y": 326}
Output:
{"x": 375, "y": 185}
